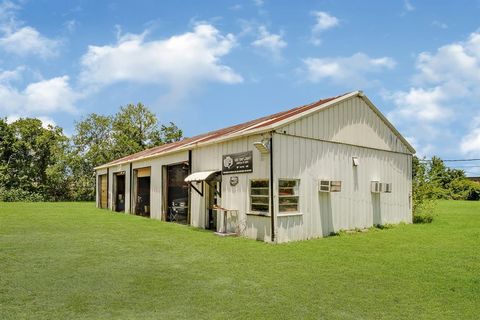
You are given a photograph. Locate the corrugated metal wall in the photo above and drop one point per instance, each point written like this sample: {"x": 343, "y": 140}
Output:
{"x": 233, "y": 197}
{"x": 156, "y": 185}
{"x": 351, "y": 121}
{"x": 301, "y": 152}
{"x": 310, "y": 159}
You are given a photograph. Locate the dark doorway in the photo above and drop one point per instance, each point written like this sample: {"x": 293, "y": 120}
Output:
{"x": 212, "y": 201}
{"x": 120, "y": 191}
{"x": 142, "y": 206}
{"x": 177, "y": 193}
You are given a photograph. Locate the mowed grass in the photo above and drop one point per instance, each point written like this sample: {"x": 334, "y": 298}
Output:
{"x": 72, "y": 261}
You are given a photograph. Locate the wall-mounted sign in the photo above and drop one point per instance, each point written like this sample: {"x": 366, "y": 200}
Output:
{"x": 233, "y": 181}
{"x": 237, "y": 163}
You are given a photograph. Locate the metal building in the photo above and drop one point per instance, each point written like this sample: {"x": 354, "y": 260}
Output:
{"x": 332, "y": 165}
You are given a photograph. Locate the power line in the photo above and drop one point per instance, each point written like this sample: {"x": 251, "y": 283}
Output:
{"x": 450, "y": 160}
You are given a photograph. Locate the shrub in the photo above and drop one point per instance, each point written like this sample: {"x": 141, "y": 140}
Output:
{"x": 464, "y": 189}
{"x": 423, "y": 217}
{"x": 19, "y": 195}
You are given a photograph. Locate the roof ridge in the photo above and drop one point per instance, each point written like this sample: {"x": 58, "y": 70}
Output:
{"x": 244, "y": 126}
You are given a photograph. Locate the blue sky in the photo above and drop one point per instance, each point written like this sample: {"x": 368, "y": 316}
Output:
{"x": 209, "y": 64}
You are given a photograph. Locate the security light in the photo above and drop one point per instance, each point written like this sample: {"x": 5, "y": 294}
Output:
{"x": 263, "y": 147}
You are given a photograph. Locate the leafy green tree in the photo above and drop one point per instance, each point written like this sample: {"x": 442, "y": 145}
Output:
{"x": 135, "y": 128}
{"x": 422, "y": 203}
{"x": 170, "y": 133}
{"x": 92, "y": 146}
{"x": 30, "y": 155}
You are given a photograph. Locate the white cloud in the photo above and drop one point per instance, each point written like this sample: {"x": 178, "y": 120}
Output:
{"x": 442, "y": 79}
{"x": 6, "y": 76}
{"x": 39, "y": 98}
{"x": 439, "y": 24}
{"x": 181, "y": 61}
{"x": 451, "y": 63}
{"x": 46, "y": 121}
{"x": 258, "y": 3}
{"x": 443, "y": 97}
{"x": 22, "y": 40}
{"x": 350, "y": 71}
{"x": 421, "y": 104}
{"x": 28, "y": 41}
{"x": 471, "y": 142}
{"x": 271, "y": 42}
{"x": 408, "y": 5}
{"x": 70, "y": 25}
{"x": 324, "y": 21}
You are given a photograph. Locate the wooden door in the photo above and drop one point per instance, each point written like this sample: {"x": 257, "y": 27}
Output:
{"x": 103, "y": 191}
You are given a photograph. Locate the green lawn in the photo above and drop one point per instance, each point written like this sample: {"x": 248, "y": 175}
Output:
{"x": 70, "y": 260}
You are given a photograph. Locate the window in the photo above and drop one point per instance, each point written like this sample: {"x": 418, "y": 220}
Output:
{"x": 260, "y": 196}
{"x": 288, "y": 195}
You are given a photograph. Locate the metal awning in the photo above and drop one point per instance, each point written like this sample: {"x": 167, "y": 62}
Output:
{"x": 202, "y": 176}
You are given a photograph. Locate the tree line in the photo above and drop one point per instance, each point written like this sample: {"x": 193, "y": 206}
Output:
{"x": 433, "y": 180}
{"x": 40, "y": 163}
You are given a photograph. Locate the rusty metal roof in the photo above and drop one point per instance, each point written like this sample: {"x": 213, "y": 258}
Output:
{"x": 243, "y": 129}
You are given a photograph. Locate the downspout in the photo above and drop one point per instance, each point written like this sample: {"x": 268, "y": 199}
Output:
{"x": 272, "y": 207}
{"x": 108, "y": 187}
{"x": 189, "y": 219}
{"x": 131, "y": 187}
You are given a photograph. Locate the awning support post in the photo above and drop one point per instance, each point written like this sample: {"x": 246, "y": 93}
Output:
{"x": 195, "y": 188}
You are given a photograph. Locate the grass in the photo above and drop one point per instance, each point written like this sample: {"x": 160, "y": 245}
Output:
{"x": 72, "y": 261}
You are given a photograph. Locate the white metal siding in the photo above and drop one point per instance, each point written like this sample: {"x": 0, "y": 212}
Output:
{"x": 351, "y": 121}
{"x": 233, "y": 197}
{"x": 355, "y": 206}
{"x": 111, "y": 174}
{"x": 156, "y": 185}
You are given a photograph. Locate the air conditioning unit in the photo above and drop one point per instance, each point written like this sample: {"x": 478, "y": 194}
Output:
{"x": 387, "y": 187}
{"x": 329, "y": 186}
{"x": 335, "y": 186}
{"x": 376, "y": 187}
{"x": 324, "y": 185}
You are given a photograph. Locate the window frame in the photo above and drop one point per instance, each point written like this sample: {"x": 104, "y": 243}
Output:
{"x": 297, "y": 196}
{"x": 250, "y": 195}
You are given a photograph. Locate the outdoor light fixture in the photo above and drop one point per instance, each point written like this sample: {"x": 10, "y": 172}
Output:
{"x": 263, "y": 147}
{"x": 356, "y": 162}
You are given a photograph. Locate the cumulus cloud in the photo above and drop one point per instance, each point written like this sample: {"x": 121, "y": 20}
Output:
{"x": 422, "y": 104}
{"x": 324, "y": 21}
{"x": 350, "y": 71}
{"x": 38, "y": 98}
{"x": 28, "y": 41}
{"x": 444, "y": 94}
{"x": 471, "y": 142}
{"x": 7, "y": 76}
{"x": 23, "y": 40}
{"x": 272, "y": 43}
{"x": 181, "y": 61}
{"x": 449, "y": 74}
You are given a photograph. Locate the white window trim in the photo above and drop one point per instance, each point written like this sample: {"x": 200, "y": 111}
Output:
{"x": 289, "y": 213}
{"x": 250, "y": 210}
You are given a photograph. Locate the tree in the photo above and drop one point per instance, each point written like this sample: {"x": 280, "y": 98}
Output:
{"x": 92, "y": 146}
{"x": 135, "y": 128}
{"x": 171, "y": 133}
{"x": 31, "y": 158}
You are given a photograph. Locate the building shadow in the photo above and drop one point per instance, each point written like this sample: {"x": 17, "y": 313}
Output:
{"x": 376, "y": 209}
{"x": 326, "y": 214}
